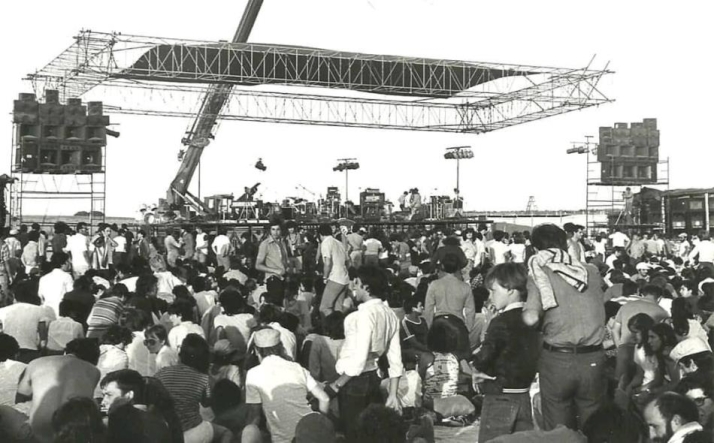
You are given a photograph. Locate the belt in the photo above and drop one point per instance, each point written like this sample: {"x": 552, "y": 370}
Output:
{"x": 516, "y": 390}
{"x": 572, "y": 349}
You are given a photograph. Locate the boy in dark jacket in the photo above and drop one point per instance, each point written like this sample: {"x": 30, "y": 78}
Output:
{"x": 508, "y": 356}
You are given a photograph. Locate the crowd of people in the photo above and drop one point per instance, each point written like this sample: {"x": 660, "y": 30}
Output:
{"x": 345, "y": 333}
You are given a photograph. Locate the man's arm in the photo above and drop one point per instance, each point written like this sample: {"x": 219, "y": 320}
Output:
{"x": 534, "y": 307}
{"x": 429, "y": 304}
{"x": 24, "y": 387}
{"x": 326, "y": 266}
{"x": 260, "y": 259}
{"x": 470, "y": 311}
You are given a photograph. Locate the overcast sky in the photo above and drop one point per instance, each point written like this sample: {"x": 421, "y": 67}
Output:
{"x": 661, "y": 52}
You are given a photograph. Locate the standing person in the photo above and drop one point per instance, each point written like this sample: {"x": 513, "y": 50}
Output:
{"x": 293, "y": 246}
{"x": 565, "y": 296}
{"x": 372, "y": 248}
{"x": 41, "y": 241}
{"x": 272, "y": 258}
{"x": 221, "y": 246}
{"x": 575, "y": 248}
{"x": 173, "y": 247}
{"x": 334, "y": 258}
{"x": 56, "y": 284}
{"x": 78, "y": 247}
{"x": 415, "y": 201}
{"x": 508, "y": 355}
{"x": 141, "y": 246}
{"x": 370, "y": 332}
{"x": 120, "y": 251}
{"x": 189, "y": 244}
{"x": 470, "y": 251}
{"x": 636, "y": 248}
{"x": 703, "y": 251}
{"x": 402, "y": 200}
{"x": 277, "y": 374}
{"x": 201, "y": 245}
{"x": 356, "y": 245}
{"x": 5, "y": 273}
{"x": 619, "y": 240}
{"x": 31, "y": 252}
{"x": 451, "y": 298}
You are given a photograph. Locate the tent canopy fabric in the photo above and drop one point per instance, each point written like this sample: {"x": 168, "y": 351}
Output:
{"x": 257, "y": 64}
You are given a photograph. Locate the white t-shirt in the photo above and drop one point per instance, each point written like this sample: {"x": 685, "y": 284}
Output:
{"x": 518, "y": 252}
{"x": 333, "y": 249}
{"x": 619, "y": 240}
{"x": 179, "y": 332}
{"x": 283, "y": 411}
{"x": 77, "y": 245}
{"x": 499, "y": 252}
{"x": 120, "y": 240}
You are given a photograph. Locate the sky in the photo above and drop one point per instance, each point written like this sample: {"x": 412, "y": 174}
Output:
{"x": 661, "y": 55}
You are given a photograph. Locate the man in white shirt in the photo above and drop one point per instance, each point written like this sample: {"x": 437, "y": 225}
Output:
{"x": 370, "y": 332}
{"x": 497, "y": 249}
{"x": 78, "y": 247}
{"x": 619, "y": 240}
{"x": 222, "y": 248}
{"x": 334, "y": 259}
{"x": 704, "y": 251}
{"x": 56, "y": 284}
{"x": 27, "y": 323}
{"x": 201, "y": 245}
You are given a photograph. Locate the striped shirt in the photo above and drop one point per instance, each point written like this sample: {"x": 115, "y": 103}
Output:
{"x": 105, "y": 313}
{"x": 187, "y": 388}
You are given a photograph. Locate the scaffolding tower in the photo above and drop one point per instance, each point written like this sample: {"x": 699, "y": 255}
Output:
{"x": 86, "y": 188}
{"x": 605, "y": 203}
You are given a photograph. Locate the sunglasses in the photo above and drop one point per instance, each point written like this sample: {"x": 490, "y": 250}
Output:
{"x": 150, "y": 342}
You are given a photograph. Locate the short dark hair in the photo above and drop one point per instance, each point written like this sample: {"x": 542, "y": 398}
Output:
{"x": 652, "y": 290}
{"x": 324, "y": 229}
{"x": 127, "y": 380}
{"x": 612, "y": 424}
{"x": 116, "y": 335}
{"x": 134, "y": 319}
{"x": 86, "y": 349}
{"x": 509, "y": 276}
{"x": 375, "y": 279}
{"x": 380, "y": 424}
{"x": 670, "y": 404}
{"x": 226, "y": 395}
{"x": 231, "y": 301}
{"x": 183, "y": 308}
{"x": 8, "y": 347}
{"x": 195, "y": 353}
{"x": 450, "y": 263}
{"x": 58, "y": 259}
{"x": 334, "y": 325}
{"x": 547, "y": 236}
{"x": 78, "y": 419}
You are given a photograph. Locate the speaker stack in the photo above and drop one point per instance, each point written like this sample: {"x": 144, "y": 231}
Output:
{"x": 629, "y": 153}
{"x": 58, "y": 138}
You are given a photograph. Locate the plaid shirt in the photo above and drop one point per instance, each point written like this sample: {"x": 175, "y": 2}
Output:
{"x": 4, "y": 254}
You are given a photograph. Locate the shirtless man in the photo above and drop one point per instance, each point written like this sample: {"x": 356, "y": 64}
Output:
{"x": 50, "y": 381}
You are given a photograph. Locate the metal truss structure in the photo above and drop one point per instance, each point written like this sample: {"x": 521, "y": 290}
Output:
{"x": 270, "y": 83}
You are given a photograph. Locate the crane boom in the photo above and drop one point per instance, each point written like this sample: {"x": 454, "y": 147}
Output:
{"x": 201, "y": 132}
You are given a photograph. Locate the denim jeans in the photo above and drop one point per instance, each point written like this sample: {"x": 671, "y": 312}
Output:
{"x": 354, "y": 397}
{"x": 504, "y": 414}
{"x": 572, "y": 387}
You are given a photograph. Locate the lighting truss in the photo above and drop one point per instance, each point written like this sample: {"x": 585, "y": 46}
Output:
{"x": 168, "y": 77}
